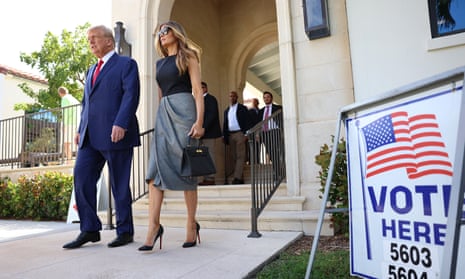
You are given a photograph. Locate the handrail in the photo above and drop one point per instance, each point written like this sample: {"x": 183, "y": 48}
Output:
{"x": 267, "y": 164}
{"x": 47, "y": 137}
{"x": 139, "y": 187}
{"x": 43, "y": 137}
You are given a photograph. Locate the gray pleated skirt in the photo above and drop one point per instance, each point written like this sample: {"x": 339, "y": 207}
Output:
{"x": 175, "y": 117}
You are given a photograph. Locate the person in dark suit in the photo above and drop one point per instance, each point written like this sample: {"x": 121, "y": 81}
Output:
{"x": 211, "y": 124}
{"x": 254, "y": 111}
{"x": 254, "y": 119}
{"x": 108, "y": 132}
{"x": 235, "y": 126}
{"x": 272, "y": 108}
{"x": 271, "y": 134}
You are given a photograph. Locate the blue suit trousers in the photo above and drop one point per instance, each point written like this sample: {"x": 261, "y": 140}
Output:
{"x": 87, "y": 171}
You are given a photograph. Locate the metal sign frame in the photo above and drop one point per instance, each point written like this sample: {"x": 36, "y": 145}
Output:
{"x": 454, "y": 221}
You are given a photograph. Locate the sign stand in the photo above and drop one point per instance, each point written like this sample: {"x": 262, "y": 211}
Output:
{"x": 448, "y": 267}
{"x": 455, "y": 221}
{"x": 323, "y": 209}
{"x": 102, "y": 201}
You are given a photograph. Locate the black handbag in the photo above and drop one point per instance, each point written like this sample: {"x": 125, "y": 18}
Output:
{"x": 196, "y": 160}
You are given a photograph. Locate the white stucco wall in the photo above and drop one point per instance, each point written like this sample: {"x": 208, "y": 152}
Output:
{"x": 11, "y": 94}
{"x": 323, "y": 85}
{"x": 391, "y": 46}
{"x": 139, "y": 33}
{"x": 374, "y": 47}
{"x": 316, "y": 75}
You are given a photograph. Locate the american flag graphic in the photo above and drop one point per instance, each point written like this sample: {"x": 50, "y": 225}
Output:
{"x": 413, "y": 143}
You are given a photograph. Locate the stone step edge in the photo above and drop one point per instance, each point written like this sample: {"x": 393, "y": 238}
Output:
{"x": 266, "y": 215}
{"x": 228, "y": 187}
{"x": 277, "y": 199}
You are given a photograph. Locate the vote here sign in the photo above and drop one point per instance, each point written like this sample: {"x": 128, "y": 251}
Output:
{"x": 400, "y": 160}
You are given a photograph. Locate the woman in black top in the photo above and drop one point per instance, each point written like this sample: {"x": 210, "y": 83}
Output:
{"x": 179, "y": 116}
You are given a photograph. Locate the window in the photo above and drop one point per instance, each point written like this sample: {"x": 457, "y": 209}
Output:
{"x": 316, "y": 18}
{"x": 447, "y": 17}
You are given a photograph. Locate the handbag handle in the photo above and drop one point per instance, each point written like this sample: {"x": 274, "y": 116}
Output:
{"x": 199, "y": 141}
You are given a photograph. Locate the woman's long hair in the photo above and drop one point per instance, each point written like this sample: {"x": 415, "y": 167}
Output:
{"x": 185, "y": 49}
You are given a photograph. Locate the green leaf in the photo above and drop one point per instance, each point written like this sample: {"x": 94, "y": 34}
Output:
{"x": 63, "y": 60}
{"x": 338, "y": 193}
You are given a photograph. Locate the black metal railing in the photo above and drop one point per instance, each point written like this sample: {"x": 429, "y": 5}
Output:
{"x": 139, "y": 187}
{"x": 267, "y": 164}
{"x": 47, "y": 137}
{"x": 41, "y": 138}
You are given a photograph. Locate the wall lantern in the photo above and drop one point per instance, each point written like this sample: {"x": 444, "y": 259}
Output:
{"x": 121, "y": 46}
{"x": 316, "y": 18}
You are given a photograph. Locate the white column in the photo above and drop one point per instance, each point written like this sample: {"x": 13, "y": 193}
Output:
{"x": 289, "y": 96}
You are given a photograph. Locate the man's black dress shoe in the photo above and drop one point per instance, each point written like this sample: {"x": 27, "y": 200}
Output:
{"x": 82, "y": 239}
{"x": 121, "y": 240}
{"x": 237, "y": 181}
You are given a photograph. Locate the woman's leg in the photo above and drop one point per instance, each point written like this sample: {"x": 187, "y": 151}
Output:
{"x": 190, "y": 198}
{"x": 155, "y": 202}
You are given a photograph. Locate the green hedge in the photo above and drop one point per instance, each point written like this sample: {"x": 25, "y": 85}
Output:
{"x": 41, "y": 197}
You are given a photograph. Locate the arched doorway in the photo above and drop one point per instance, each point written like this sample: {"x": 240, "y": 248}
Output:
{"x": 235, "y": 41}
{"x": 263, "y": 74}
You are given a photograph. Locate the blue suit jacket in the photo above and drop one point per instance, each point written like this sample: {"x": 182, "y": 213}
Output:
{"x": 113, "y": 100}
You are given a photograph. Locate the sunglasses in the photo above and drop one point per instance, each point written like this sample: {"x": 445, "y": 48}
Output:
{"x": 164, "y": 31}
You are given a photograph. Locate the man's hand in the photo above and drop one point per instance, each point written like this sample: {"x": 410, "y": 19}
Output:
{"x": 117, "y": 133}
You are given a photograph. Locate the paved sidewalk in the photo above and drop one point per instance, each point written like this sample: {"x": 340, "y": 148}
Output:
{"x": 33, "y": 250}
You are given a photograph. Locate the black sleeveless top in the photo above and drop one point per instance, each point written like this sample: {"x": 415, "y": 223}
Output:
{"x": 168, "y": 77}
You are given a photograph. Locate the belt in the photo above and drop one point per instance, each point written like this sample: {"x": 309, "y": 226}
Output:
{"x": 231, "y": 132}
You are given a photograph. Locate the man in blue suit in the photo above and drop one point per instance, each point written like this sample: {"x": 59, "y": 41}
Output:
{"x": 108, "y": 132}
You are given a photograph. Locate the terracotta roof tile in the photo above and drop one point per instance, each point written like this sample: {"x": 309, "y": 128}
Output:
{"x": 6, "y": 70}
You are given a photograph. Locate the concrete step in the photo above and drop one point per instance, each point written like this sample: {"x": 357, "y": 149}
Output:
{"x": 226, "y": 203}
{"x": 240, "y": 190}
{"x": 229, "y": 207}
{"x": 269, "y": 220}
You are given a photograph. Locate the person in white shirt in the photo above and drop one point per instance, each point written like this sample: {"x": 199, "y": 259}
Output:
{"x": 235, "y": 126}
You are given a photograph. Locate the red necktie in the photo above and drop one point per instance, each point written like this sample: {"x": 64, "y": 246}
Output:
{"x": 265, "y": 116}
{"x": 97, "y": 71}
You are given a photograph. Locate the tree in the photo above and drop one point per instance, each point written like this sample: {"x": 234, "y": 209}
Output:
{"x": 63, "y": 61}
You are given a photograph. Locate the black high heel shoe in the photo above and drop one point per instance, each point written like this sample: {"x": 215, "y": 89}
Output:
{"x": 193, "y": 243}
{"x": 159, "y": 235}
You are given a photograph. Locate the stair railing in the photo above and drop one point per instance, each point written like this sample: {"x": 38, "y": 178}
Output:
{"x": 267, "y": 164}
{"x": 138, "y": 185}
{"x": 41, "y": 138}
{"x": 266, "y": 149}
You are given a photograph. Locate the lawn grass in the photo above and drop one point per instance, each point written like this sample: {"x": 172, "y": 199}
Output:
{"x": 327, "y": 264}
